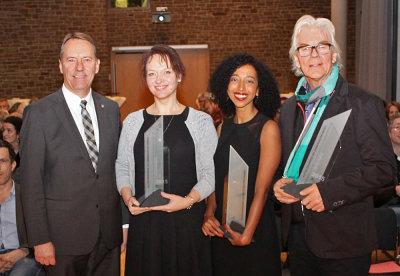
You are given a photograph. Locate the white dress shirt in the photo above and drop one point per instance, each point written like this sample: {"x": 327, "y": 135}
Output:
{"x": 73, "y": 102}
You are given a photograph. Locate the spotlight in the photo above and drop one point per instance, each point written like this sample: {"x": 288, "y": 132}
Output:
{"x": 161, "y": 17}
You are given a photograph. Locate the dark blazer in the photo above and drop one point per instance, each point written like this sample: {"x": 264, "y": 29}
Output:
{"x": 364, "y": 164}
{"x": 21, "y": 228}
{"x": 64, "y": 200}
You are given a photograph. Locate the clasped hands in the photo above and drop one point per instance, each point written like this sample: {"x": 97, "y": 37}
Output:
{"x": 175, "y": 203}
{"x": 8, "y": 260}
{"x": 211, "y": 228}
{"x": 312, "y": 201}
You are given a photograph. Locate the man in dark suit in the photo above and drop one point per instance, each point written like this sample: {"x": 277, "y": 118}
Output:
{"x": 331, "y": 231}
{"x": 68, "y": 149}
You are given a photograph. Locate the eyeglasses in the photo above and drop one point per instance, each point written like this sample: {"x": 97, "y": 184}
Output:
{"x": 321, "y": 49}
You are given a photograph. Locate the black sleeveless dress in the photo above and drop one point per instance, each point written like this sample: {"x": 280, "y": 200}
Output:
{"x": 262, "y": 257}
{"x": 161, "y": 243}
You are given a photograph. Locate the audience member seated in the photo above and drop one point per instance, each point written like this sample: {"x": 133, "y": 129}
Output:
{"x": 17, "y": 109}
{"x": 391, "y": 109}
{"x": 15, "y": 258}
{"x": 4, "y": 104}
{"x": 11, "y": 128}
{"x": 3, "y": 116}
{"x": 203, "y": 101}
{"x": 206, "y": 103}
{"x": 33, "y": 99}
{"x": 390, "y": 196}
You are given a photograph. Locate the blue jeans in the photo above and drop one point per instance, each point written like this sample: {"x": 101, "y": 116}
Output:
{"x": 27, "y": 266}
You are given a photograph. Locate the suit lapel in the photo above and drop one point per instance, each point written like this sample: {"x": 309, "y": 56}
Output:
{"x": 65, "y": 117}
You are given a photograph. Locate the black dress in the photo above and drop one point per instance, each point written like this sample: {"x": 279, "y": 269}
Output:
{"x": 262, "y": 257}
{"x": 161, "y": 243}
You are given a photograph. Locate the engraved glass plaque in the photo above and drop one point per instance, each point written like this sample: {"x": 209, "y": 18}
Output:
{"x": 322, "y": 155}
{"x": 235, "y": 194}
{"x": 156, "y": 160}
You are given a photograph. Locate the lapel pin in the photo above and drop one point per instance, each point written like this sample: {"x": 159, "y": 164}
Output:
{"x": 102, "y": 105}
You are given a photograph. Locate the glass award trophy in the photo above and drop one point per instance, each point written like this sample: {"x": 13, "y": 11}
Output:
{"x": 156, "y": 159}
{"x": 322, "y": 156}
{"x": 235, "y": 194}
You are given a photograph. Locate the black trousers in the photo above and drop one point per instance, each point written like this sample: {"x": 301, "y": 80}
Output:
{"x": 303, "y": 262}
{"x": 100, "y": 261}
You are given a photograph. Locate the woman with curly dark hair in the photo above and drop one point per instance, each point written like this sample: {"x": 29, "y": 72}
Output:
{"x": 245, "y": 89}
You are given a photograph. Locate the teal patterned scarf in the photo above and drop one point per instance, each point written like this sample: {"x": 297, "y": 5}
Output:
{"x": 320, "y": 97}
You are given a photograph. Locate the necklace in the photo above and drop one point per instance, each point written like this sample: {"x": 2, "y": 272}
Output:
{"x": 170, "y": 121}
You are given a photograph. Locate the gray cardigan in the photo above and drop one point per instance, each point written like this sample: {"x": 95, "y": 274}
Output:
{"x": 202, "y": 130}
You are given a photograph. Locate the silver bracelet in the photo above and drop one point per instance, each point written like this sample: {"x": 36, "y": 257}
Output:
{"x": 191, "y": 201}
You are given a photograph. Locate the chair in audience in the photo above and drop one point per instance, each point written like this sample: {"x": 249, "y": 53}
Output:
{"x": 386, "y": 226}
{"x": 387, "y": 231}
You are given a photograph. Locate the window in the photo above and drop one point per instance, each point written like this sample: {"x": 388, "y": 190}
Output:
{"x": 129, "y": 3}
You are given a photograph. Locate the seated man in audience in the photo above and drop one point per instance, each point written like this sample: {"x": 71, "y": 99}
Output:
{"x": 14, "y": 258}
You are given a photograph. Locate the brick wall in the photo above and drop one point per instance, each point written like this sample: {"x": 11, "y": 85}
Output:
{"x": 31, "y": 33}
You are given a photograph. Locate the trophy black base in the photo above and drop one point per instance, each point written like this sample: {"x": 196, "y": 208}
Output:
{"x": 235, "y": 226}
{"x": 294, "y": 189}
{"x": 155, "y": 199}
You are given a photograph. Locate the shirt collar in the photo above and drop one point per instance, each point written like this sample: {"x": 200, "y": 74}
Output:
{"x": 71, "y": 97}
{"x": 13, "y": 188}
{"x": 307, "y": 88}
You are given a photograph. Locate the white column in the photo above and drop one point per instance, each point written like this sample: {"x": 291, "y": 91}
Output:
{"x": 339, "y": 19}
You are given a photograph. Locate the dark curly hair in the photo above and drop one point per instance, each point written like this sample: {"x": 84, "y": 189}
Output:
{"x": 15, "y": 121}
{"x": 268, "y": 101}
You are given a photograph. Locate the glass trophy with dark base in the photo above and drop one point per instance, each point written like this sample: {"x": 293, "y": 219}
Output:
{"x": 322, "y": 156}
{"x": 235, "y": 194}
{"x": 156, "y": 158}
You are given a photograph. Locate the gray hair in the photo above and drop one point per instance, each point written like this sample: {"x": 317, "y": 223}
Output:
{"x": 78, "y": 35}
{"x": 324, "y": 25}
{"x": 391, "y": 121}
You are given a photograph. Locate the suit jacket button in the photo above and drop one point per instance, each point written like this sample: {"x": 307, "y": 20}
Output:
{"x": 97, "y": 176}
{"x": 97, "y": 205}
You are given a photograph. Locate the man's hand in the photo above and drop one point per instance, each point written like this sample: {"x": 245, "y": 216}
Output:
{"x": 280, "y": 194}
{"x": 45, "y": 254}
{"x": 313, "y": 199}
{"x": 8, "y": 260}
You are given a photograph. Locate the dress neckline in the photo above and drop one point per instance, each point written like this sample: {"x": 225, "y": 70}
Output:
{"x": 246, "y": 123}
{"x": 185, "y": 110}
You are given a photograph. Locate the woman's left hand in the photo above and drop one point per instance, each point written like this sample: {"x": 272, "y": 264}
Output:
{"x": 176, "y": 203}
{"x": 237, "y": 238}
